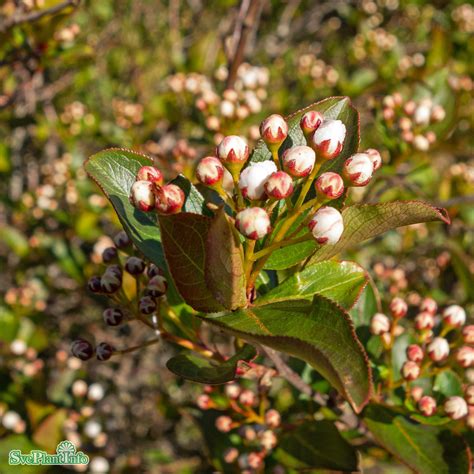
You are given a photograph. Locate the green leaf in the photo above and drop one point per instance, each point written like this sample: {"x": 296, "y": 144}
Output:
{"x": 224, "y": 268}
{"x": 207, "y": 371}
{"x": 50, "y": 431}
{"x": 448, "y": 383}
{"x": 303, "y": 448}
{"x": 365, "y": 221}
{"x": 291, "y": 255}
{"x": 341, "y": 282}
{"x": 195, "y": 201}
{"x": 319, "y": 332}
{"x": 425, "y": 449}
{"x": 23, "y": 444}
{"x": 434, "y": 420}
{"x": 184, "y": 237}
{"x": 114, "y": 171}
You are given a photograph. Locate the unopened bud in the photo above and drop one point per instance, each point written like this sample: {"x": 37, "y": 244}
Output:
{"x": 415, "y": 353}
{"x": 398, "y": 308}
{"x": 233, "y": 151}
{"x": 232, "y": 390}
{"x": 429, "y": 305}
{"x": 410, "y": 370}
{"x": 268, "y": 440}
{"x": 122, "y": 240}
{"x": 423, "y": 113}
{"x": 169, "y": 199}
{"x": 358, "y": 169}
{"x": 247, "y": 397}
{"x": 375, "y": 157}
{"x": 253, "y": 223}
{"x": 113, "y": 316}
{"x": 142, "y": 196}
{"x": 455, "y": 407}
{"x": 470, "y": 418}
{"x": 255, "y": 460}
{"x": 252, "y": 179}
{"x": 469, "y": 394}
{"x": 110, "y": 282}
{"x": 427, "y": 405}
{"x": 424, "y": 320}
{"x": 438, "y": 113}
{"x": 328, "y": 139}
{"x": 454, "y": 316}
{"x": 153, "y": 270}
{"x": 224, "y": 424}
{"x": 104, "y": 351}
{"x": 298, "y": 161}
{"x": 416, "y": 393}
{"x": 272, "y": 418}
{"x": 146, "y": 305}
{"x": 421, "y": 143}
{"x": 310, "y": 122}
{"x": 326, "y": 225}
{"x": 279, "y": 185}
{"x": 150, "y": 173}
{"x": 210, "y": 171}
{"x": 157, "y": 286}
{"x": 330, "y": 185}
{"x": 109, "y": 255}
{"x": 468, "y": 334}
{"x": 204, "y": 402}
{"x": 231, "y": 455}
{"x": 82, "y": 349}
{"x": 465, "y": 356}
{"x": 94, "y": 284}
{"x": 438, "y": 349}
{"x": 134, "y": 266}
{"x": 379, "y": 324}
{"x": 274, "y": 130}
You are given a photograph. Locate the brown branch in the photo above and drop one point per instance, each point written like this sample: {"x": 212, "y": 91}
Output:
{"x": 246, "y": 22}
{"x": 20, "y": 18}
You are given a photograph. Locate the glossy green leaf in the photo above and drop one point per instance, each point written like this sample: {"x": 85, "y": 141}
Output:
{"x": 448, "y": 383}
{"x": 184, "y": 238}
{"x": 114, "y": 171}
{"x": 434, "y": 420}
{"x": 319, "y": 332}
{"x": 425, "y": 449}
{"x": 195, "y": 201}
{"x": 207, "y": 371}
{"x": 341, "y": 282}
{"x": 302, "y": 448}
{"x": 23, "y": 444}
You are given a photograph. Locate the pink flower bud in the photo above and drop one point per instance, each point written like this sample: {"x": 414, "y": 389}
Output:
{"x": 204, "y": 402}
{"x": 252, "y": 179}
{"x": 327, "y": 225}
{"x": 150, "y": 173}
{"x": 299, "y": 161}
{"x": 113, "y": 316}
{"x": 111, "y": 281}
{"x": 268, "y": 440}
{"x": 398, "y": 308}
{"x": 224, "y": 424}
{"x": 279, "y": 185}
{"x": 82, "y": 349}
{"x": 375, "y": 157}
{"x": 253, "y": 222}
{"x": 109, "y": 255}
{"x": 146, "y": 305}
{"x": 94, "y": 284}
{"x": 247, "y": 397}
{"x": 274, "y": 130}
{"x": 424, "y": 320}
{"x": 468, "y": 334}
{"x": 330, "y": 185}
{"x": 410, "y": 370}
{"x": 427, "y": 405}
{"x": 469, "y": 394}
{"x": 415, "y": 353}
{"x": 169, "y": 199}
{"x": 328, "y": 139}
{"x": 416, "y": 393}
{"x": 438, "y": 113}
{"x": 358, "y": 169}
{"x": 232, "y": 390}
{"x": 379, "y": 324}
{"x": 272, "y": 418}
{"x": 255, "y": 460}
{"x": 231, "y": 455}
{"x": 142, "y": 196}
{"x": 455, "y": 408}
{"x": 157, "y": 286}
{"x": 311, "y": 121}
{"x": 438, "y": 349}
{"x": 122, "y": 240}
{"x": 233, "y": 149}
{"x": 429, "y": 305}
{"x": 465, "y": 356}
{"x": 454, "y": 316}
{"x": 134, "y": 266}
{"x": 210, "y": 171}
{"x": 104, "y": 351}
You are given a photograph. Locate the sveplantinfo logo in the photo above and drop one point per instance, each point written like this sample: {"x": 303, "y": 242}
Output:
{"x": 66, "y": 454}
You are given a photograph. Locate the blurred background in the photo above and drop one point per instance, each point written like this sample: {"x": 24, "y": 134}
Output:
{"x": 169, "y": 78}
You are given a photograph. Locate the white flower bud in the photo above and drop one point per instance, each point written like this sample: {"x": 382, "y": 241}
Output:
{"x": 416, "y": 393}
{"x": 375, "y": 157}
{"x": 398, "y": 307}
{"x": 253, "y": 178}
{"x": 454, "y": 316}
{"x": 96, "y": 392}
{"x": 279, "y": 185}
{"x": 142, "y": 196}
{"x": 465, "y": 356}
{"x": 10, "y": 420}
{"x": 438, "y": 113}
{"x": 410, "y": 370}
{"x": 233, "y": 149}
{"x": 379, "y": 324}
{"x": 92, "y": 429}
{"x": 169, "y": 199}
{"x": 224, "y": 424}
{"x": 415, "y": 353}
{"x": 268, "y": 439}
{"x": 455, "y": 408}
{"x": 427, "y": 405}
{"x": 311, "y": 121}
{"x": 421, "y": 143}
{"x": 227, "y": 109}
{"x": 469, "y": 394}
{"x": 232, "y": 390}
{"x": 424, "y": 320}
{"x": 468, "y": 334}
{"x": 429, "y": 305}
{"x": 253, "y": 222}
{"x": 99, "y": 465}
{"x": 150, "y": 173}
{"x": 358, "y": 169}
{"x": 274, "y": 130}
{"x": 438, "y": 349}
{"x": 326, "y": 225}
{"x": 210, "y": 171}
{"x": 423, "y": 113}
{"x": 299, "y": 161}
{"x": 330, "y": 185}
{"x": 328, "y": 139}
